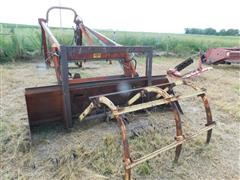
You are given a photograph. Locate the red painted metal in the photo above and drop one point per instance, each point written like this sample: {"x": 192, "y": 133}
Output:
{"x": 175, "y": 72}
{"x": 44, "y": 104}
{"x": 71, "y": 96}
{"x": 221, "y": 56}
{"x": 212, "y": 56}
{"x": 128, "y": 66}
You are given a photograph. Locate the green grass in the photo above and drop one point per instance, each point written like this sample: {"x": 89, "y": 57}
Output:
{"x": 23, "y": 41}
{"x": 19, "y": 44}
{"x": 178, "y": 43}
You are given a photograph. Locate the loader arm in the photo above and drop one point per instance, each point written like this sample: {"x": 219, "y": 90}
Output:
{"x": 81, "y": 99}
{"x": 52, "y": 53}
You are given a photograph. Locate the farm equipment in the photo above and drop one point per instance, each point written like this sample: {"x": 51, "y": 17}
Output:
{"x": 212, "y": 56}
{"x": 81, "y": 99}
{"x": 221, "y": 56}
{"x": 175, "y": 72}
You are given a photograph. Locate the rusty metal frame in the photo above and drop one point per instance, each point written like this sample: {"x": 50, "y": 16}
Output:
{"x": 62, "y": 55}
{"x": 72, "y": 53}
{"x": 117, "y": 112}
{"x": 63, "y": 96}
{"x": 65, "y": 88}
{"x": 49, "y": 98}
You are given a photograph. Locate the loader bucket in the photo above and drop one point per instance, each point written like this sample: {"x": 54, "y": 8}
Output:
{"x": 80, "y": 99}
{"x": 45, "y": 104}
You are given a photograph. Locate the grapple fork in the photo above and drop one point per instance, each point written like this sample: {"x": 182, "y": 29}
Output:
{"x": 162, "y": 97}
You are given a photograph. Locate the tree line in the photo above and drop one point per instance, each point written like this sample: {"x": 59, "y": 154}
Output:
{"x": 212, "y": 31}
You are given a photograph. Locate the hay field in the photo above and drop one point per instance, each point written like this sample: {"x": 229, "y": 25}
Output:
{"x": 93, "y": 151}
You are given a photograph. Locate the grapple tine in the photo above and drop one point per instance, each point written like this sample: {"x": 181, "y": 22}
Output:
{"x": 126, "y": 153}
{"x": 177, "y": 153}
{"x": 209, "y": 116}
{"x": 209, "y": 135}
{"x": 87, "y": 111}
{"x": 179, "y": 134}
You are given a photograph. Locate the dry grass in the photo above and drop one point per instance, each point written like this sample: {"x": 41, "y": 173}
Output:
{"x": 93, "y": 151}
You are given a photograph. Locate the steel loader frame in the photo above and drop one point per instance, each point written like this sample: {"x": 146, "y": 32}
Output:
{"x": 82, "y": 99}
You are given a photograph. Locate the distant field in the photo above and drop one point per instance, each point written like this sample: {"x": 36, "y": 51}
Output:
{"x": 23, "y": 41}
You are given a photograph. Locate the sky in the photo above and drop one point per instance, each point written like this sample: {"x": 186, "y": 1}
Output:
{"x": 165, "y": 16}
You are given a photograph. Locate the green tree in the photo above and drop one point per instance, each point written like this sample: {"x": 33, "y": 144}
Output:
{"x": 222, "y": 32}
{"x": 232, "y": 32}
{"x": 210, "y": 31}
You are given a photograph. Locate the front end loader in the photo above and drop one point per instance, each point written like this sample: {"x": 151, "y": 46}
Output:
{"x": 74, "y": 98}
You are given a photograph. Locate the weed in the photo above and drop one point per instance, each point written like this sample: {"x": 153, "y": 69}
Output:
{"x": 144, "y": 169}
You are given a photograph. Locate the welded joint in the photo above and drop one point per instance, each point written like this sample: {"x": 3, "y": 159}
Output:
{"x": 127, "y": 162}
{"x": 210, "y": 123}
{"x": 115, "y": 113}
{"x": 164, "y": 94}
{"x": 179, "y": 138}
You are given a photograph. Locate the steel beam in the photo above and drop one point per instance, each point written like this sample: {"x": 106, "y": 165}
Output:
{"x": 65, "y": 88}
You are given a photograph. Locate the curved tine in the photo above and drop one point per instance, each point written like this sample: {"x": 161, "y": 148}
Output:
{"x": 126, "y": 153}
{"x": 104, "y": 100}
{"x": 209, "y": 116}
{"x": 160, "y": 92}
{"x": 87, "y": 111}
{"x": 134, "y": 98}
{"x": 179, "y": 134}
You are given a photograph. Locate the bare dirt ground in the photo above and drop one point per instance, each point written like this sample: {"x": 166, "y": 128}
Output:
{"x": 93, "y": 151}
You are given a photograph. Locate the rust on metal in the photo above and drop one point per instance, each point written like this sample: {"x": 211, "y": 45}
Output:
{"x": 168, "y": 147}
{"x": 221, "y": 56}
{"x": 117, "y": 112}
{"x": 209, "y": 116}
{"x": 179, "y": 135}
{"x": 74, "y": 98}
